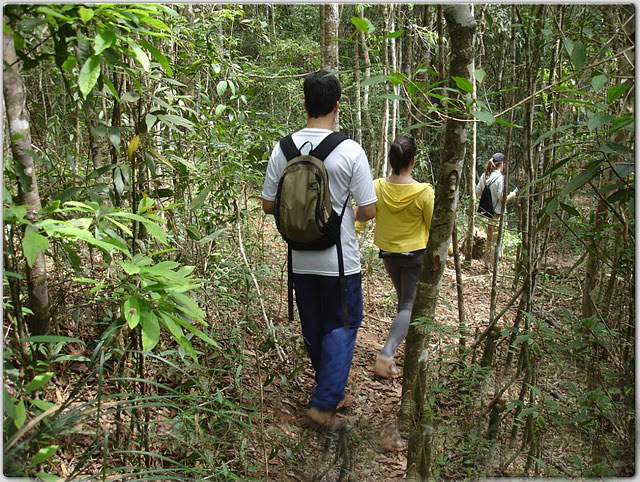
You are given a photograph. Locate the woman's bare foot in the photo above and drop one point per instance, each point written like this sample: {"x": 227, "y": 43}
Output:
{"x": 385, "y": 367}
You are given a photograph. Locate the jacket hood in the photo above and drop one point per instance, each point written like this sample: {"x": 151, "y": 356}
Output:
{"x": 398, "y": 196}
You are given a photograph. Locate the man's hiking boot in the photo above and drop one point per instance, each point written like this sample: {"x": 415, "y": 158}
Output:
{"x": 325, "y": 419}
{"x": 385, "y": 367}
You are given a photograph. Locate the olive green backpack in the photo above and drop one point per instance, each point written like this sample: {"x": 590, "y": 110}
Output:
{"x": 303, "y": 213}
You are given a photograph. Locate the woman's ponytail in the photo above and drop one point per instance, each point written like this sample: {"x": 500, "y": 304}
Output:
{"x": 494, "y": 162}
{"x": 401, "y": 153}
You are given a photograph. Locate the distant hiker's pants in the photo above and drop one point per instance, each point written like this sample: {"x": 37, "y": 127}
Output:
{"x": 492, "y": 240}
{"x": 329, "y": 344}
{"x": 404, "y": 273}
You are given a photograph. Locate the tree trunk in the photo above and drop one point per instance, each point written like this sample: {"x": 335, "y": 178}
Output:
{"x": 19, "y": 129}
{"x": 365, "y": 94}
{"x": 468, "y": 255}
{"x": 461, "y": 26}
{"x": 356, "y": 80}
{"x": 383, "y": 146}
{"x": 330, "y": 46}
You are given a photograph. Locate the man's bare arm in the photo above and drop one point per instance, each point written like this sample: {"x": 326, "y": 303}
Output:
{"x": 364, "y": 213}
{"x": 267, "y": 206}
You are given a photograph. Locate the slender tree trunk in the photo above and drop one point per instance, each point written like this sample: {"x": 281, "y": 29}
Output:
{"x": 384, "y": 129}
{"x": 370, "y": 144}
{"x": 461, "y": 26}
{"x": 19, "y": 129}
{"x": 471, "y": 183}
{"x": 356, "y": 80}
{"x": 394, "y": 68}
{"x": 330, "y": 45}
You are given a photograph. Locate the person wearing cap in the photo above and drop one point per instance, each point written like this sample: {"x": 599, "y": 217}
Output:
{"x": 493, "y": 178}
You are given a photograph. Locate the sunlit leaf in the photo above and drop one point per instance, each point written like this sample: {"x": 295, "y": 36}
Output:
{"x": 150, "y": 331}
{"x": 479, "y": 75}
{"x": 89, "y": 74}
{"x": 132, "y": 147}
{"x": 484, "y": 116}
{"x": 39, "y": 381}
{"x": 131, "y": 311}
{"x": 463, "y": 84}
{"x": 86, "y": 14}
{"x": 21, "y": 414}
{"x": 140, "y": 55}
{"x": 103, "y": 41}
{"x": 395, "y": 34}
{"x": 221, "y": 87}
{"x": 33, "y": 244}
{"x": 363, "y": 24}
{"x": 158, "y": 56}
{"x": 44, "y": 454}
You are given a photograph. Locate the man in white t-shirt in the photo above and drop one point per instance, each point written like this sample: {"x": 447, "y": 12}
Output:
{"x": 329, "y": 341}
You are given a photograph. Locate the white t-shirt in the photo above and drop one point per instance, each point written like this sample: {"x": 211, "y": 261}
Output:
{"x": 495, "y": 183}
{"x": 348, "y": 170}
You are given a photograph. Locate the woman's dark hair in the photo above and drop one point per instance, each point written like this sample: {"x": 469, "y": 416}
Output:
{"x": 494, "y": 162}
{"x": 321, "y": 93}
{"x": 402, "y": 151}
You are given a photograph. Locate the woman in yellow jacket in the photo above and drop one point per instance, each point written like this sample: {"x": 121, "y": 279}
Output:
{"x": 403, "y": 218}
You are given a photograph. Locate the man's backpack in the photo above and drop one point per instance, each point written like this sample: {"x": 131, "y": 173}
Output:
{"x": 303, "y": 213}
{"x": 485, "y": 207}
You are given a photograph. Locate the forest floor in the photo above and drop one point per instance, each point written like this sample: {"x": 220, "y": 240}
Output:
{"x": 302, "y": 455}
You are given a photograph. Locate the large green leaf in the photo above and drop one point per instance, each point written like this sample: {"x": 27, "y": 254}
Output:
{"x": 139, "y": 55}
{"x": 395, "y": 34}
{"x": 221, "y": 87}
{"x": 484, "y": 116}
{"x": 150, "y": 331}
{"x": 616, "y": 91}
{"x": 131, "y": 310}
{"x": 599, "y": 120}
{"x": 363, "y": 24}
{"x": 463, "y": 84}
{"x": 581, "y": 179}
{"x": 44, "y": 454}
{"x": 103, "y": 41}
{"x": 198, "y": 202}
{"x": 86, "y": 14}
{"x": 38, "y": 381}
{"x": 89, "y": 74}
{"x": 376, "y": 79}
{"x": 33, "y": 244}
{"x": 579, "y": 55}
{"x": 598, "y": 81}
{"x": 159, "y": 56}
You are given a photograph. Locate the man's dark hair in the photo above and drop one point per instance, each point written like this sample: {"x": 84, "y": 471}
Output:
{"x": 321, "y": 93}
{"x": 401, "y": 153}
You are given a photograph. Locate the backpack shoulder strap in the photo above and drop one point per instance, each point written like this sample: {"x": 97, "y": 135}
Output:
{"x": 328, "y": 144}
{"x": 289, "y": 148}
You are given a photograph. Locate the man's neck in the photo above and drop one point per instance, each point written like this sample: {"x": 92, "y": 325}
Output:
{"x": 324, "y": 122}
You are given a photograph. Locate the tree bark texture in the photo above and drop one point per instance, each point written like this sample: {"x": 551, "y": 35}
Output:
{"x": 461, "y": 26}
{"x": 19, "y": 129}
{"x": 330, "y": 45}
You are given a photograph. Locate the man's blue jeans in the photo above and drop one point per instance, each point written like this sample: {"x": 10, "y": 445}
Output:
{"x": 329, "y": 344}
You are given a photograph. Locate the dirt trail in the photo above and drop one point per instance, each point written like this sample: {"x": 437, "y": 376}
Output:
{"x": 300, "y": 446}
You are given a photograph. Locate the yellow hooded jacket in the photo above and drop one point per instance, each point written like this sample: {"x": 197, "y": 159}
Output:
{"x": 403, "y": 216}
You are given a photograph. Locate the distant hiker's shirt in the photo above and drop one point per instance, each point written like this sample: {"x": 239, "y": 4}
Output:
{"x": 495, "y": 181}
{"x": 348, "y": 170}
{"x": 403, "y": 216}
